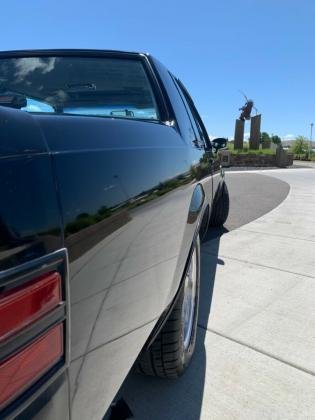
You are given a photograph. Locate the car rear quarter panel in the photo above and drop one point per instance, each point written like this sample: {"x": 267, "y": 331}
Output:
{"x": 125, "y": 190}
{"x": 30, "y": 228}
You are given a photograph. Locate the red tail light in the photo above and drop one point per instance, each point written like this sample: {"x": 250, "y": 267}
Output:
{"x": 22, "y": 306}
{"x": 24, "y": 368}
{"x": 32, "y": 332}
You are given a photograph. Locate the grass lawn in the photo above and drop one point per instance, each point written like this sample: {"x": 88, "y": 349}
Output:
{"x": 246, "y": 150}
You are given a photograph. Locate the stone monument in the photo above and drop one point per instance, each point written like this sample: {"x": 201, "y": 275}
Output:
{"x": 254, "y": 139}
{"x": 239, "y": 134}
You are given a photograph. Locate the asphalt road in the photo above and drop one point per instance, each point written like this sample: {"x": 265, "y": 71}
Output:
{"x": 251, "y": 196}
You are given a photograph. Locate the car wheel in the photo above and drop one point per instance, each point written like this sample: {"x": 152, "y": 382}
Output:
{"x": 220, "y": 207}
{"x": 170, "y": 353}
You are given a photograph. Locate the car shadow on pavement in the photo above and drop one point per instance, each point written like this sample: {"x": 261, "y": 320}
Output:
{"x": 155, "y": 398}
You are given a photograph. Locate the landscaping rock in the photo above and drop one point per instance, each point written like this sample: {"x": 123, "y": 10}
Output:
{"x": 283, "y": 158}
{"x": 248, "y": 159}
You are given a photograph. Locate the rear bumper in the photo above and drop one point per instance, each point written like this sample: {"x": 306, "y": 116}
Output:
{"x": 51, "y": 404}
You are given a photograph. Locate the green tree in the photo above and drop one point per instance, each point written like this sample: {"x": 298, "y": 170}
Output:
{"x": 264, "y": 136}
{"x": 275, "y": 139}
{"x": 82, "y": 216}
{"x": 300, "y": 146}
{"x": 265, "y": 140}
{"x": 104, "y": 212}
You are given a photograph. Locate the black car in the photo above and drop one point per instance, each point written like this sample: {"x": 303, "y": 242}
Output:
{"x": 108, "y": 180}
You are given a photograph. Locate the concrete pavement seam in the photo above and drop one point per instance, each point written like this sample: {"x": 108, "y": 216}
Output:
{"x": 276, "y": 234}
{"x": 258, "y": 264}
{"x": 256, "y": 349}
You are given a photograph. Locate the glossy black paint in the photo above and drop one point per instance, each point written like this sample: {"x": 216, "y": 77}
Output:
{"x": 126, "y": 198}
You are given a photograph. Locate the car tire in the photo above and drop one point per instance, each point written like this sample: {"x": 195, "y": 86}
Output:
{"x": 220, "y": 206}
{"x": 170, "y": 353}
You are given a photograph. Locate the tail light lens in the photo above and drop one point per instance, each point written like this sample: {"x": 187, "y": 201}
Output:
{"x": 42, "y": 346}
{"x": 24, "y": 368}
{"x": 24, "y": 305}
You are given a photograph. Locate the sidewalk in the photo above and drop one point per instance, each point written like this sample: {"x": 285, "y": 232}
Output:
{"x": 255, "y": 356}
{"x": 304, "y": 163}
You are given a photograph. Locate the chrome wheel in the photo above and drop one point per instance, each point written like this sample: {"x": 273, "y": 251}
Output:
{"x": 189, "y": 302}
{"x": 172, "y": 349}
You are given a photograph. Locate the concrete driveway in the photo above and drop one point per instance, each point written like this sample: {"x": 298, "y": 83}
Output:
{"x": 255, "y": 354}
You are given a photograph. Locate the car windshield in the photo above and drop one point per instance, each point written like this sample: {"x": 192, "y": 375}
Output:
{"x": 99, "y": 86}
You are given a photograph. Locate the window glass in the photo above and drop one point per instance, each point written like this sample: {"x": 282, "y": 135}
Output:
{"x": 101, "y": 86}
{"x": 194, "y": 115}
{"x": 197, "y": 140}
{"x": 36, "y": 106}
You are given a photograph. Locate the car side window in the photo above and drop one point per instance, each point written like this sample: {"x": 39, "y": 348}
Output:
{"x": 194, "y": 115}
{"x": 88, "y": 86}
{"x": 197, "y": 140}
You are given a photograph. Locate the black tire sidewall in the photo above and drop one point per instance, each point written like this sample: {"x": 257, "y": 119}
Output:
{"x": 220, "y": 206}
{"x": 167, "y": 356}
{"x": 187, "y": 353}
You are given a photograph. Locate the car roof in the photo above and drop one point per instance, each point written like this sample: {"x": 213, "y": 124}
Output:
{"x": 69, "y": 52}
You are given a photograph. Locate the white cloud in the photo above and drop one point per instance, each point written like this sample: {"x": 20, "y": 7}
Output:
{"x": 25, "y": 66}
{"x": 246, "y": 136}
{"x": 289, "y": 137}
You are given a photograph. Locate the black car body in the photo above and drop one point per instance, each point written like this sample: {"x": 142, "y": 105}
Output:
{"x": 111, "y": 203}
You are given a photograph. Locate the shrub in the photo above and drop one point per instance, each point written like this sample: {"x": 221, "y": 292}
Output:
{"x": 300, "y": 146}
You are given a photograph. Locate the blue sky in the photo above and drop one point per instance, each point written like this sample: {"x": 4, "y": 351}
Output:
{"x": 262, "y": 47}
